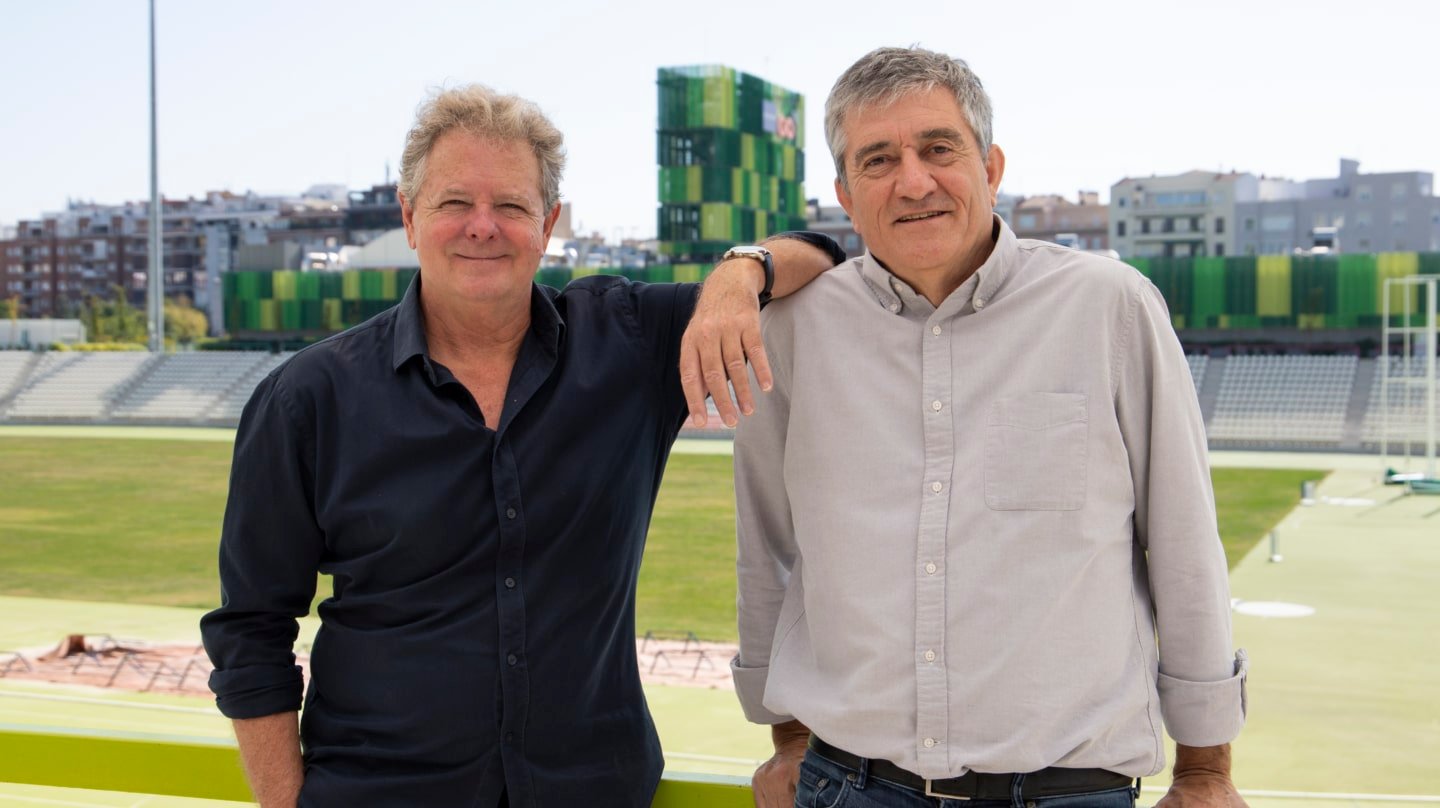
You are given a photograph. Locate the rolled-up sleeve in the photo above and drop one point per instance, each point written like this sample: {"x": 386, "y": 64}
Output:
{"x": 270, "y": 549}
{"x": 766, "y": 551}
{"x": 1201, "y": 678}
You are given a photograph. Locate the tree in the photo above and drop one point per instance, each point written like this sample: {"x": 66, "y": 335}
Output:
{"x": 112, "y": 320}
{"x": 183, "y": 322}
{"x": 12, "y": 313}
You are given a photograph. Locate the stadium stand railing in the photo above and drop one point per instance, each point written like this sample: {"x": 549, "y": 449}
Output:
{"x": 1255, "y": 402}
{"x": 210, "y": 769}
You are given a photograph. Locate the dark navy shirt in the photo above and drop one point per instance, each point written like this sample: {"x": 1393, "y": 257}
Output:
{"x": 481, "y": 634}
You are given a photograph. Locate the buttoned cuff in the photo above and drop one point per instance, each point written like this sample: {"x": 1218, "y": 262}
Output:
{"x": 750, "y": 688}
{"x": 257, "y": 691}
{"x": 1205, "y": 713}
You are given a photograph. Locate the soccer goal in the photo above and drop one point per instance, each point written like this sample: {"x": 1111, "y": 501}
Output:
{"x": 1409, "y": 380}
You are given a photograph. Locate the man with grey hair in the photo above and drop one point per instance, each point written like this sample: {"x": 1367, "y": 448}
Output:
{"x": 476, "y": 469}
{"x": 992, "y": 571}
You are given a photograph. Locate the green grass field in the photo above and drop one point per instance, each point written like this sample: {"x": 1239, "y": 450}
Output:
{"x": 129, "y": 521}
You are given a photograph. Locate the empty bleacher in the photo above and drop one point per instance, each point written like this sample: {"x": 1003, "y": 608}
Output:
{"x": 1397, "y": 414}
{"x": 75, "y": 386}
{"x": 1291, "y": 401}
{"x": 182, "y": 387}
{"x": 1197, "y": 363}
{"x": 1265, "y": 402}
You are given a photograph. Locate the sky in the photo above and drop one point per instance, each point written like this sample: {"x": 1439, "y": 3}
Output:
{"x": 275, "y": 97}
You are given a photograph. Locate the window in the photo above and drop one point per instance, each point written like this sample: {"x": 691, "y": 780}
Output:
{"x": 1364, "y": 243}
{"x": 1276, "y": 223}
{"x": 1398, "y": 218}
{"x": 1249, "y": 225}
{"x": 1397, "y": 190}
{"x": 1195, "y": 224}
{"x": 1219, "y": 249}
{"x": 1175, "y": 199}
{"x": 1362, "y": 193}
{"x": 1026, "y": 221}
{"x": 1169, "y": 226}
{"x": 1362, "y": 220}
{"x": 1122, "y": 201}
{"x": 1120, "y": 226}
{"x": 1219, "y": 224}
{"x": 1144, "y": 225}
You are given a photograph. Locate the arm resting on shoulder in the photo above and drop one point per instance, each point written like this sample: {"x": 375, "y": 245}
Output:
{"x": 270, "y": 750}
{"x": 725, "y": 329}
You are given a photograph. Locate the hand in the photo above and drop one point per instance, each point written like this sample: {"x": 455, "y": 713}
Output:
{"x": 723, "y": 333}
{"x": 1202, "y": 779}
{"x": 1202, "y": 791}
{"x": 775, "y": 781}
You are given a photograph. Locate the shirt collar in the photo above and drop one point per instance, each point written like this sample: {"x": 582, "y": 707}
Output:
{"x": 409, "y": 340}
{"x": 978, "y": 290}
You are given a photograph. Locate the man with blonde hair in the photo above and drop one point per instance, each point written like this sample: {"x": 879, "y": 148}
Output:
{"x": 476, "y": 469}
{"x": 992, "y": 572}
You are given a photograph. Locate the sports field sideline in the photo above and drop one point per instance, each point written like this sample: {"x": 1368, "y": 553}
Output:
{"x": 1343, "y": 706}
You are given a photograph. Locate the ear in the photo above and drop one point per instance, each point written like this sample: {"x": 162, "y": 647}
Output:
{"x": 550, "y": 219}
{"x": 407, "y": 217}
{"x": 842, "y": 194}
{"x": 994, "y": 169}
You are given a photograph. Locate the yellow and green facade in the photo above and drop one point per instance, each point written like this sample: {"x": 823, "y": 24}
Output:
{"x": 1304, "y": 293}
{"x": 732, "y": 163}
{"x": 1281, "y": 292}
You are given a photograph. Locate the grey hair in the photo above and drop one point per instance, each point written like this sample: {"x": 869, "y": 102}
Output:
{"x": 885, "y": 75}
{"x": 482, "y": 111}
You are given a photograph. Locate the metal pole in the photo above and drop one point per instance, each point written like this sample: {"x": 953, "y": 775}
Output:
{"x": 155, "y": 286}
{"x": 1432, "y": 335}
{"x": 1385, "y": 418}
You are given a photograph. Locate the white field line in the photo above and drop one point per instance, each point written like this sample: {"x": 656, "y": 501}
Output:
{"x": 164, "y": 708}
{"x": 1421, "y": 799}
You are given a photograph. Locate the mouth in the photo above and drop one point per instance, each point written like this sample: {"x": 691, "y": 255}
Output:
{"x": 920, "y": 217}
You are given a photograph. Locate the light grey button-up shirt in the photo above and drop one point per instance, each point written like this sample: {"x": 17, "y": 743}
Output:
{"x": 962, "y": 528}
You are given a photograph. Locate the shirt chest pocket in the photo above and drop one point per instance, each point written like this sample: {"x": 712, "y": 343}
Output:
{"x": 1035, "y": 452}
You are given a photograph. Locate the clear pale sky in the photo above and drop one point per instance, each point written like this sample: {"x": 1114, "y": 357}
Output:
{"x": 277, "y": 96}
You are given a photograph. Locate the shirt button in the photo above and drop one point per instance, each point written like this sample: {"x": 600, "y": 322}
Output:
{"x": 894, "y": 306}
{"x": 936, "y": 405}
{"x": 935, "y": 330}
{"x": 930, "y": 567}
{"x": 509, "y": 583}
{"x": 937, "y": 487}
{"x": 929, "y": 742}
{"x": 510, "y": 513}
{"x": 512, "y": 659}
{"x": 979, "y": 302}
{"x": 509, "y": 737}
{"x": 929, "y": 656}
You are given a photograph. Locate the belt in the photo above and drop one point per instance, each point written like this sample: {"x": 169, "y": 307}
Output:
{"x": 1051, "y": 782}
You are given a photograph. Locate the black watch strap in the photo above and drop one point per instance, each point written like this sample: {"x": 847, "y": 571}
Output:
{"x": 768, "y": 261}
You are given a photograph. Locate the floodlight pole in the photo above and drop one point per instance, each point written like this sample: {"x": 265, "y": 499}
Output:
{"x": 155, "y": 281}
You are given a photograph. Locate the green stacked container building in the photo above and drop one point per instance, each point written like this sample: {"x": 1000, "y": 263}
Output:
{"x": 732, "y": 169}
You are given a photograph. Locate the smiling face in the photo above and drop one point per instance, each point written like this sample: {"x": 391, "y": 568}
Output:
{"x": 478, "y": 223}
{"x": 920, "y": 192}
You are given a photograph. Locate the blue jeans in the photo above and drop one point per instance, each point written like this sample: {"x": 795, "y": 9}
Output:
{"x": 827, "y": 784}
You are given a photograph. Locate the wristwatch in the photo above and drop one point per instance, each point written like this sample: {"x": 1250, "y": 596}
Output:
{"x": 763, "y": 256}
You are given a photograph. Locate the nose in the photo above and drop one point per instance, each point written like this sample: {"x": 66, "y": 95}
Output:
{"x": 914, "y": 180}
{"x": 482, "y": 223}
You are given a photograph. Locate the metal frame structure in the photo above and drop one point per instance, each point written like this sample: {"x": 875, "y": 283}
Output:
{"x": 1407, "y": 379}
